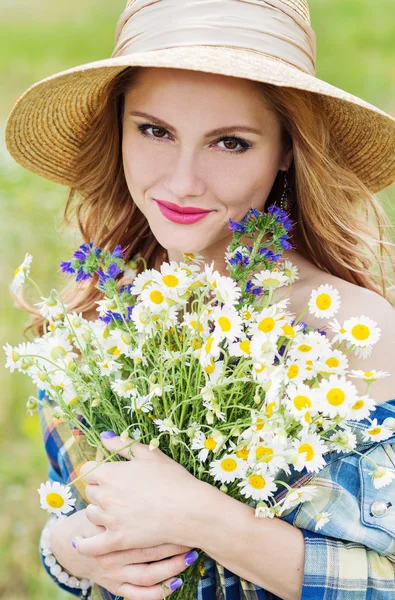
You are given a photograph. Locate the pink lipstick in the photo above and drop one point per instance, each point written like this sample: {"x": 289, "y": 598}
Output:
{"x": 181, "y": 214}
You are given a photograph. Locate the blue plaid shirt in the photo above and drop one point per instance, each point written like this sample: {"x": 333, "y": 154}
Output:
{"x": 353, "y": 556}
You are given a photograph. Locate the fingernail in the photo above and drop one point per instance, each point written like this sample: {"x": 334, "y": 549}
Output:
{"x": 108, "y": 434}
{"x": 73, "y": 543}
{"x": 175, "y": 584}
{"x": 191, "y": 557}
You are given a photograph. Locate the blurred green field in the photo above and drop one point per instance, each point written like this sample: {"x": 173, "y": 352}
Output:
{"x": 356, "y": 49}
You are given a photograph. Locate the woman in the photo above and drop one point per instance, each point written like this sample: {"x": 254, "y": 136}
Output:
{"x": 212, "y": 107}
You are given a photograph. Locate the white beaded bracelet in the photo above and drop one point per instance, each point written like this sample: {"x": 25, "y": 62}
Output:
{"x": 56, "y": 569}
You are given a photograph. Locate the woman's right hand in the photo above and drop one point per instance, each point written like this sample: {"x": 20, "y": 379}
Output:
{"x": 145, "y": 568}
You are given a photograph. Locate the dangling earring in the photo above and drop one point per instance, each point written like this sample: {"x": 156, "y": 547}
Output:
{"x": 286, "y": 199}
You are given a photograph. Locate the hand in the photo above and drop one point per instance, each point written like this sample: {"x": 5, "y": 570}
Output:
{"x": 127, "y": 572}
{"x": 145, "y": 501}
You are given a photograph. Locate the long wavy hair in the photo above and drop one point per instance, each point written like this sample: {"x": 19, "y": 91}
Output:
{"x": 340, "y": 226}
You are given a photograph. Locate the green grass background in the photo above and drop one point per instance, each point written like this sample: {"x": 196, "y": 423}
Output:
{"x": 356, "y": 48}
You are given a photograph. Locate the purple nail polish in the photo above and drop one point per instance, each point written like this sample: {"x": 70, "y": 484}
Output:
{"x": 191, "y": 557}
{"x": 175, "y": 584}
{"x": 73, "y": 543}
{"x": 108, "y": 434}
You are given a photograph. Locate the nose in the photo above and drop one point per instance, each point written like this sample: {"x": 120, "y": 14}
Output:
{"x": 183, "y": 178}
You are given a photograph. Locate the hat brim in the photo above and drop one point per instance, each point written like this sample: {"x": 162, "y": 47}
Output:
{"x": 51, "y": 118}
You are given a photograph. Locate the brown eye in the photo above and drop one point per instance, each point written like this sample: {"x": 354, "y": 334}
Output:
{"x": 158, "y": 132}
{"x": 231, "y": 144}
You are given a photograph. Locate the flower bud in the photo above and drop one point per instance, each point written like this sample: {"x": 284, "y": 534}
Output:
{"x": 124, "y": 435}
{"x": 209, "y": 417}
{"x": 32, "y": 403}
{"x": 87, "y": 337}
{"x": 154, "y": 443}
{"x": 96, "y": 402}
{"x": 224, "y": 488}
{"x": 58, "y": 412}
{"x": 201, "y": 470}
{"x": 174, "y": 441}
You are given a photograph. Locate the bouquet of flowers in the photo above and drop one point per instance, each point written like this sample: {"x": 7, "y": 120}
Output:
{"x": 211, "y": 369}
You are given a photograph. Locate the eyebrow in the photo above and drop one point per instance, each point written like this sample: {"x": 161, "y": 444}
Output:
{"x": 217, "y": 131}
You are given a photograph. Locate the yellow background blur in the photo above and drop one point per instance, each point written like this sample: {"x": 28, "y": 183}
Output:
{"x": 356, "y": 50}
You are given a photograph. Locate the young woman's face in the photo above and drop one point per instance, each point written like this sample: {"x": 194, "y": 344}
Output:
{"x": 198, "y": 140}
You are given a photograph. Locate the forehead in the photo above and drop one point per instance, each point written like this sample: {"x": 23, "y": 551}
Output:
{"x": 178, "y": 88}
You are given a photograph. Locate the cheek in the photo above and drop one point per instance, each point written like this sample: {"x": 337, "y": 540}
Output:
{"x": 141, "y": 164}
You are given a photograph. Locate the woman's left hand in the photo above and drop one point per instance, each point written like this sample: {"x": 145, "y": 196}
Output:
{"x": 145, "y": 501}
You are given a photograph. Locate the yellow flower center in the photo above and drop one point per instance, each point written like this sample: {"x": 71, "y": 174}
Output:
{"x": 246, "y": 315}
{"x": 266, "y": 324}
{"x": 308, "y": 449}
{"x": 209, "y": 344}
{"x": 156, "y": 297}
{"x": 261, "y": 451}
{"x": 228, "y": 464}
{"x": 359, "y": 404}
{"x": 270, "y": 282}
{"x": 194, "y": 325}
{"x": 375, "y": 431}
{"x": 305, "y": 348}
{"x": 257, "y": 482}
{"x": 369, "y": 374}
{"x": 333, "y": 362}
{"x": 259, "y": 424}
{"x": 58, "y": 352}
{"x": 323, "y": 301}
{"x": 55, "y": 500}
{"x": 360, "y": 332}
{"x": 126, "y": 337}
{"x": 245, "y": 346}
{"x": 307, "y": 417}
{"x": 225, "y": 323}
{"x": 170, "y": 280}
{"x": 293, "y": 371}
{"x": 301, "y": 402}
{"x": 270, "y": 408}
{"x": 210, "y": 367}
{"x": 259, "y": 369}
{"x": 336, "y": 396}
{"x": 288, "y": 330}
{"x": 210, "y": 444}
{"x": 243, "y": 453}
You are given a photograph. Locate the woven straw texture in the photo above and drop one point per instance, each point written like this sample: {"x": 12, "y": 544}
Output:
{"x": 49, "y": 121}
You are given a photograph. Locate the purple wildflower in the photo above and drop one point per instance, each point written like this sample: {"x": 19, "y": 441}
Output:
{"x": 65, "y": 267}
{"x": 113, "y": 270}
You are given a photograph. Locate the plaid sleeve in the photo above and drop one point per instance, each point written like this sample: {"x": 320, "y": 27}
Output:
{"x": 345, "y": 571}
{"x": 53, "y": 441}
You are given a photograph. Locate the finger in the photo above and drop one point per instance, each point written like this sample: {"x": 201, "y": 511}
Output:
{"x": 88, "y": 471}
{"x": 155, "y": 592}
{"x": 147, "y": 555}
{"x": 93, "y": 494}
{"x": 103, "y": 543}
{"x": 97, "y": 516}
{"x": 150, "y": 574}
{"x": 134, "y": 450}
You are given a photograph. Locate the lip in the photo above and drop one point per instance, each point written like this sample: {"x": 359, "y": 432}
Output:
{"x": 183, "y": 218}
{"x": 188, "y": 210}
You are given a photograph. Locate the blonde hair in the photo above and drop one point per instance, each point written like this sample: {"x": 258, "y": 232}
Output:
{"x": 339, "y": 224}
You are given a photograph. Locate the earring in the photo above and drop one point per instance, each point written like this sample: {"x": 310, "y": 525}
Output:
{"x": 286, "y": 199}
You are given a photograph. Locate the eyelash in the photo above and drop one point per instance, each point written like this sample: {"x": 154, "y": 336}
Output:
{"x": 244, "y": 145}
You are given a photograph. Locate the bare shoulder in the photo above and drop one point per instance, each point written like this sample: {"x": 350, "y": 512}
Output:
{"x": 355, "y": 302}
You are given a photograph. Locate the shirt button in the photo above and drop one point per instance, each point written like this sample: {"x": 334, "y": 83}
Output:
{"x": 378, "y": 509}
{"x": 390, "y": 423}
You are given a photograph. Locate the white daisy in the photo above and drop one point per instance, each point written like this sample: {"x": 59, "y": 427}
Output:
{"x": 227, "y": 291}
{"x": 262, "y": 511}
{"x": 227, "y": 322}
{"x": 336, "y": 396}
{"x": 214, "y": 370}
{"x": 155, "y": 297}
{"x": 263, "y": 350}
{"x": 143, "y": 403}
{"x": 248, "y": 314}
{"x": 166, "y": 425}
{"x": 296, "y": 496}
{"x": 70, "y": 395}
{"x": 338, "y": 330}
{"x": 382, "y": 477}
{"x": 270, "y": 280}
{"x": 295, "y": 371}
{"x": 143, "y": 280}
{"x": 344, "y": 440}
{"x": 56, "y": 347}
{"x": 51, "y": 308}
{"x": 333, "y": 363}
{"x": 291, "y": 271}
{"x": 56, "y": 498}
{"x": 212, "y": 443}
{"x": 209, "y": 350}
{"x": 367, "y": 376}
{"x": 267, "y": 454}
{"x": 240, "y": 348}
{"x": 124, "y": 388}
{"x": 309, "y": 453}
{"x": 258, "y": 485}
{"x": 376, "y": 432}
{"x": 194, "y": 323}
{"x": 194, "y": 257}
{"x": 21, "y": 273}
{"x": 227, "y": 469}
{"x": 308, "y": 346}
{"x": 362, "y": 331}
{"x": 15, "y": 356}
{"x": 301, "y": 399}
{"x": 324, "y": 302}
{"x": 268, "y": 322}
{"x": 173, "y": 280}
{"x": 321, "y": 520}
{"x": 362, "y": 408}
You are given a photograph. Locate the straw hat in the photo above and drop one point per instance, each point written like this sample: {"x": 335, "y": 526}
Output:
{"x": 263, "y": 40}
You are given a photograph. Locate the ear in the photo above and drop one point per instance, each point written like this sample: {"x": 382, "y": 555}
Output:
{"x": 286, "y": 159}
